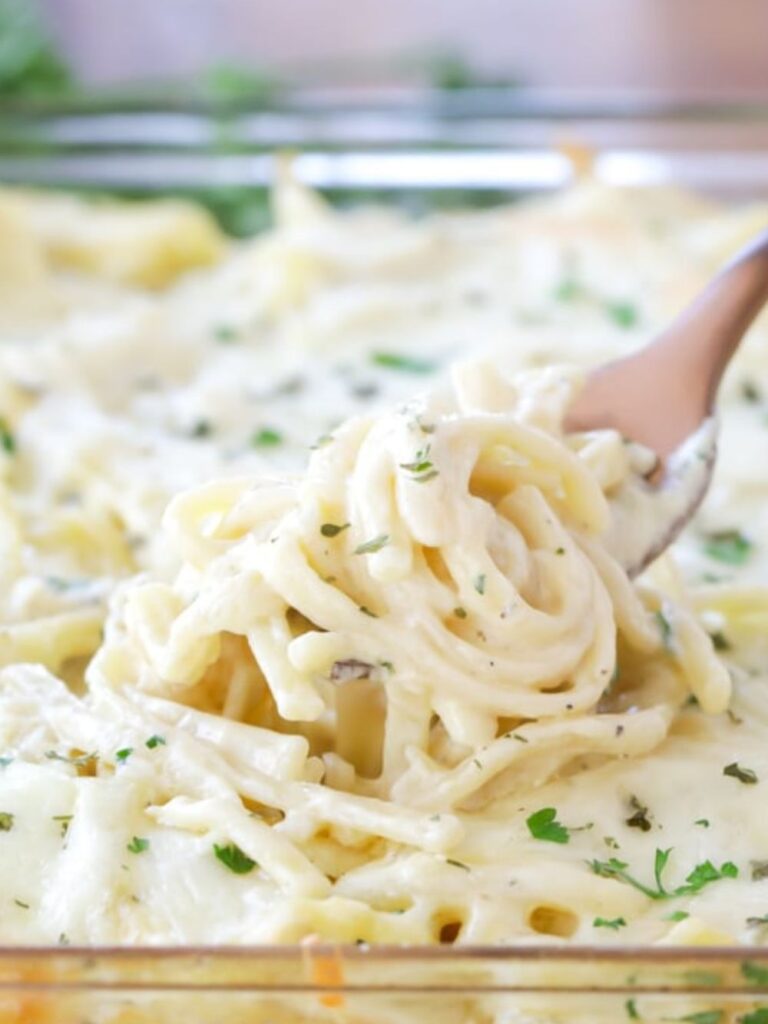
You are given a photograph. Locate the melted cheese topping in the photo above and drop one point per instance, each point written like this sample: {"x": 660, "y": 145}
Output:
{"x": 395, "y": 689}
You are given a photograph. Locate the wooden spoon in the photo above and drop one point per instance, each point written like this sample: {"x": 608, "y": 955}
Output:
{"x": 664, "y": 396}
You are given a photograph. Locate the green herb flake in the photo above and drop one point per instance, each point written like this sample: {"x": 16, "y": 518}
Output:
{"x": 63, "y": 820}
{"x": 623, "y": 314}
{"x": 567, "y": 290}
{"x": 266, "y": 437}
{"x": 754, "y": 973}
{"x": 405, "y": 364}
{"x": 6, "y": 821}
{"x": 137, "y": 845}
{"x": 631, "y": 1007}
{"x": 730, "y": 546}
{"x": 201, "y": 429}
{"x": 457, "y": 864}
{"x": 460, "y": 613}
{"x": 757, "y": 922}
{"x": 702, "y": 822}
{"x": 22, "y": 904}
{"x": 750, "y": 392}
{"x": 639, "y": 818}
{"x": 745, "y": 775}
{"x": 232, "y": 856}
{"x": 665, "y": 629}
{"x": 422, "y": 469}
{"x": 544, "y": 825}
{"x": 333, "y": 529}
{"x": 677, "y": 915}
{"x": 720, "y": 641}
{"x": 225, "y": 334}
{"x": 759, "y": 870}
{"x": 479, "y": 583}
{"x": 703, "y": 874}
{"x": 7, "y": 440}
{"x": 155, "y": 741}
{"x": 370, "y": 547}
{"x": 368, "y": 612}
{"x": 123, "y": 755}
{"x": 614, "y": 924}
{"x": 756, "y": 1017}
{"x": 703, "y": 1017}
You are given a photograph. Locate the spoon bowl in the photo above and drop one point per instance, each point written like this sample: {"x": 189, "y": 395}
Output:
{"x": 663, "y": 397}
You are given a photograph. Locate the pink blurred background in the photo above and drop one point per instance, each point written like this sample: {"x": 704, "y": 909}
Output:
{"x": 691, "y": 48}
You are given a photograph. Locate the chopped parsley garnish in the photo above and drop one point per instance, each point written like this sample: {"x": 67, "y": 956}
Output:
{"x": 730, "y": 546}
{"x": 677, "y": 915}
{"x": 702, "y": 1017}
{"x": 63, "y": 820}
{"x": 224, "y": 334}
{"x": 759, "y": 870}
{"x": 750, "y": 392}
{"x": 460, "y": 613}
{"x": 333, "y": 529}
{"x": 631, "y": 1007}
{"x": 544, "y": 825}
{"x": 754, "y": 973}
{"x": 701, "y": 875}
{"x": 422, "y": 468}
{"x": 559, "y": 551}
{"x": 6, "y": 821}
{"x": 406, "y": 364}
{"x": 720, "y": 641}
{"x": 745, "y": 775}
{"x": 614, "y": 924}
{"x": 266, "y": 437}
{"x": 22, "y": 904}
{"x": 232, "y": 856}
{"x": 368, "y": 612}
{"x": 7, "y": 440}
{"x": 155, "y": 741}
{"x": 757, "y": 922}
{"x": 123, "y": 755}
{"x": 756, "y": 1017}
{"x": 457, "y": 864}
{"x": 203, "y": 428}
{"x": 479, "y": 583}
{"x": 137, "y": 845}
{"x": 665, "y": 629}
{"x": 567, "y": 290}
{"x": 703, "y": 822}
{"x": 639, "y": 818}
{"x": 370, "y": 547}
{"x": 622, "y": 313}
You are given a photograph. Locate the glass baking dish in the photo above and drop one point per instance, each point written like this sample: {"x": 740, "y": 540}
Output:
{"x": 316, "y": 982}
{"x": 424, "y": 150}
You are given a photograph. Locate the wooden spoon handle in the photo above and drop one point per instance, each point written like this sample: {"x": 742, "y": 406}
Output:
{"x": 701, "y": 341}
